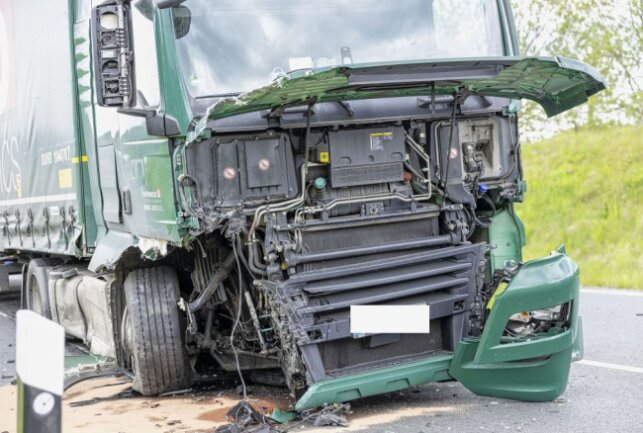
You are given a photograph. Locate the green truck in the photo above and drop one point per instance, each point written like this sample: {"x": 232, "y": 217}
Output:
{"x": 268, "y": 188}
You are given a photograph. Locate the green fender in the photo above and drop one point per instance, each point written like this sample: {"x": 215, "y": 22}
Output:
{"x": 533, "y": 369}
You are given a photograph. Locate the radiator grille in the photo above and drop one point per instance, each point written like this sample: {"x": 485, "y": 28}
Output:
{"x": 320, "y": 300}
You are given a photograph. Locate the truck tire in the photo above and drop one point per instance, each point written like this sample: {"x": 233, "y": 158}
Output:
{"x": 153, "y": 331}
{"x": 36, "y": 290}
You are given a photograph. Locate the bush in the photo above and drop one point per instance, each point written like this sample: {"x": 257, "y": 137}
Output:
{"x": 585, "y": 191}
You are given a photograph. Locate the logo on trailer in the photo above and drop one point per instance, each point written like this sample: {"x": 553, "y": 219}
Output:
{"x": 229, "y": 173}
{"x": 264, "y": 164}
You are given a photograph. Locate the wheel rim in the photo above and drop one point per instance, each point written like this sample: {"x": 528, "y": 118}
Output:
{"x": 126, "y": 332}
{"x": 35, "y": 301}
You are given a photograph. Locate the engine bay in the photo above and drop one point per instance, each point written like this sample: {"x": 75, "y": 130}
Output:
{"x": 299, "y": 224}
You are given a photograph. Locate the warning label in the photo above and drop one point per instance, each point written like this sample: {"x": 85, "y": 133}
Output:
{"x": 380, "y": 139}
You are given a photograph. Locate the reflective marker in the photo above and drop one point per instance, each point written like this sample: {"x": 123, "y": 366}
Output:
{"x": 40, "y": 363}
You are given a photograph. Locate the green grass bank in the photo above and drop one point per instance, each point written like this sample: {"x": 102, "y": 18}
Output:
{"x": 585, "y": 190}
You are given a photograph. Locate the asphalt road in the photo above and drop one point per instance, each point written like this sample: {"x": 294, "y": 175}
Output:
{"x": 7, "y": 341}
{"x": 605, "y": 392}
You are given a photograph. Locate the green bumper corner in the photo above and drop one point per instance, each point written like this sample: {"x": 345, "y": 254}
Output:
{"x": 533, "y": 369}
{"x": 347, "y": 388}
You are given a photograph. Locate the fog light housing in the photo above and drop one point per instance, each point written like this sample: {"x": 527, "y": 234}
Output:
{"x": 544, "y": 320}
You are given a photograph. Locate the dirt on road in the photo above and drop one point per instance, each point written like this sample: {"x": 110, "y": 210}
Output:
{"x": 89, "y": 407}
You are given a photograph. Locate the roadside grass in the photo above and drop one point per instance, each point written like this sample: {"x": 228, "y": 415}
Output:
{"x": 585, "y": 190}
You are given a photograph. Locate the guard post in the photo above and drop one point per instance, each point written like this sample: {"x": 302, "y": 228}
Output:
{"x": 40, "y": 361}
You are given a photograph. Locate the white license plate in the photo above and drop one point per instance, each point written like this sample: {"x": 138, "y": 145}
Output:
{"x": 389, "y": 319}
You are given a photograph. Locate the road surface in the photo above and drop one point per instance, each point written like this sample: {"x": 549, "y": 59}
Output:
{"x": 605, "y": 392}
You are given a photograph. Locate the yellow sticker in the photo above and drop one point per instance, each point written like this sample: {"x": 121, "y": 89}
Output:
{"x": 380, "y": 134}
{"x": 77, "y": 160}
{"x": 65, "y": 178}
{"x": 324, "y": 157}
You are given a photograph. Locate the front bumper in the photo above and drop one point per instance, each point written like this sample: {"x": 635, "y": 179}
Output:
{"x": 531, "y": 370}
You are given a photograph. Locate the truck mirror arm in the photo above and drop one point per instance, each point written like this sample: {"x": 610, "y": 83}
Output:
{"x": 138, "y": 112}
{"x": 158, "y": 124}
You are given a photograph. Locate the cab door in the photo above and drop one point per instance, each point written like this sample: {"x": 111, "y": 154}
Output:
{"x": 145, "y": 174}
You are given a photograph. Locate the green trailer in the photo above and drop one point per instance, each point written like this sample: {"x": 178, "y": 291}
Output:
{"x": 45, "y": 185}
{"x": 316, "y": 195}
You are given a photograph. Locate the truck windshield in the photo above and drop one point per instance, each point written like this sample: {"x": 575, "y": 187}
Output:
{"x": 233, "y": 46}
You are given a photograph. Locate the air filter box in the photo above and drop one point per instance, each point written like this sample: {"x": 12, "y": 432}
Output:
{"x": 366, "y": 156}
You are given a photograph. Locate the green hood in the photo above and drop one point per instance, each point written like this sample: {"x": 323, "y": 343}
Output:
{"x": 556, "y": 83}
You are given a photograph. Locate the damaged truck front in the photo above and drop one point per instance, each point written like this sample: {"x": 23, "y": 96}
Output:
{"x": 264, "y": 167}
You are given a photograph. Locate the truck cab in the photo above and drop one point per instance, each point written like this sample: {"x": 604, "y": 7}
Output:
{"x": 252, "y": 174}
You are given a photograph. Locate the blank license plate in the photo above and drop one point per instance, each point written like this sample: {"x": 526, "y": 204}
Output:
{"x": 390, "y": 319}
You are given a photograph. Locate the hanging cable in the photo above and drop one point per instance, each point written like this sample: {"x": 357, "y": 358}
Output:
{"x": 451, "y": 128}
{"x": 238, "y": 319}
{"x": 309, "y": 113}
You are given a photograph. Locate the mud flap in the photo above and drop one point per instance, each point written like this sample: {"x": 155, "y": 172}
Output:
{"x": 534, "y": 369}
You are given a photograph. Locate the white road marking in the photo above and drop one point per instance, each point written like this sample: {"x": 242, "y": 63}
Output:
{"x": 617, "y": 292}
{"x": 611, "y": 366}
{"x": 4, "y": 315}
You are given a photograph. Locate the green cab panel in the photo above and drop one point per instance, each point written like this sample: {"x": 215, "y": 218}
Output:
{"x": 507, "y": 233}
{"x": 534, "y": 368}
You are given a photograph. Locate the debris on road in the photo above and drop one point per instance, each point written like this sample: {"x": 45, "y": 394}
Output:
{"x": 244, "y": 417}
{"x": 332, "y": 415}
{"x": 118, "y": 396}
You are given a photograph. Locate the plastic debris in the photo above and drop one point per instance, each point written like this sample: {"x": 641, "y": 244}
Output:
{"x": 331, "y": 415}
{"x": 245, "y": 419}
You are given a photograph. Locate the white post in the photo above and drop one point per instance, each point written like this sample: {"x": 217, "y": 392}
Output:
{"x": 40, "y": 364}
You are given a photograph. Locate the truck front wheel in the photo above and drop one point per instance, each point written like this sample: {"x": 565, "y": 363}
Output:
{"x": 152, "y": 331}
